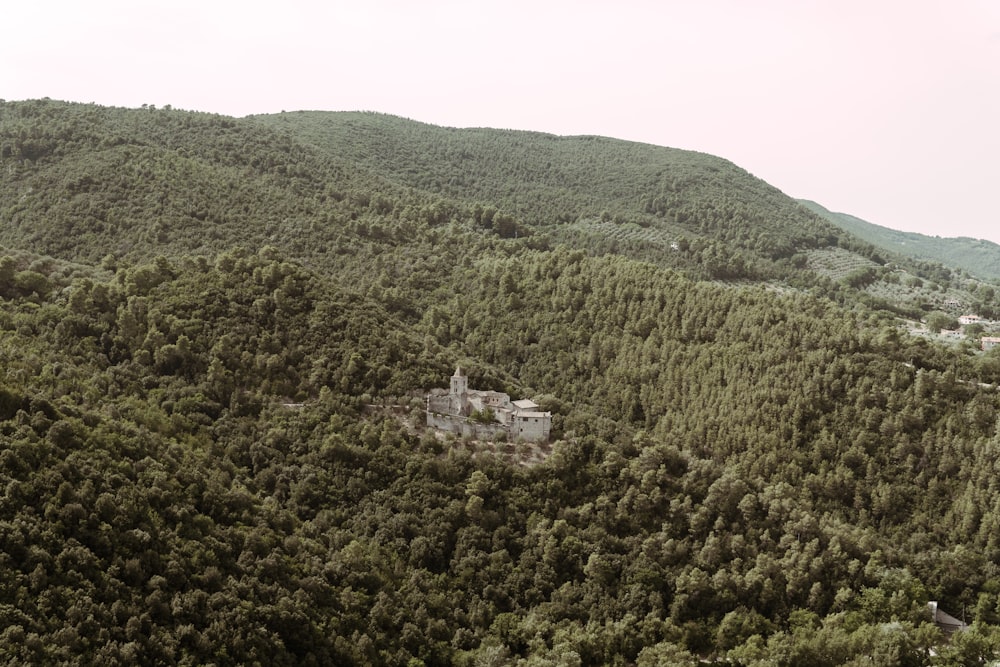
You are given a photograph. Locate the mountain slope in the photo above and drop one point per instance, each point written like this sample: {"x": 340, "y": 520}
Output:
{"x": 976, "y": 256}
{"x": 113, "y": 178}
{"x": 544, "y": 179}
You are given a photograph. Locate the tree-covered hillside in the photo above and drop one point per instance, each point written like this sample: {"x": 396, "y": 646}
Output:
{"x": 976, "y": 256}
{"x": 216, "y": 335}
{"x": 552, "y": 182}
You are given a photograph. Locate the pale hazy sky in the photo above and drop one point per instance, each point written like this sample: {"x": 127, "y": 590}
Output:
{"x": 887, "y": 110}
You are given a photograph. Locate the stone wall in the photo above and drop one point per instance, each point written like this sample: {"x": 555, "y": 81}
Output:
{"x": 532, "y": 429}
{"x": 464, "y": 426}
{"x": 440, "y": 404}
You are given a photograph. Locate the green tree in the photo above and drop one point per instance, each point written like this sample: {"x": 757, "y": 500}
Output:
{"x": 937, "y": 320}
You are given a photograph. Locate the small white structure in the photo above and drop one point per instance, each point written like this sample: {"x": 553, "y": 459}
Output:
{"x": 948, "y": 623}
{"x": 485, "y": 414}
{"x": 989, "y": 342}
{"x": 969, "y": 319}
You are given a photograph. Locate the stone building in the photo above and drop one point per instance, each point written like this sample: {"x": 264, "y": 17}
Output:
{"x": 485, "y": 414}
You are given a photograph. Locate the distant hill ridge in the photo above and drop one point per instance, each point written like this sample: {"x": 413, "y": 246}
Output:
{"x": 544, "y": 179}
{"x": 977, "y": 256}
{"x": 84, "y": 181}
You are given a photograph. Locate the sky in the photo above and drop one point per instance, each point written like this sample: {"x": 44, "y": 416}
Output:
{"x": 888, "y": 110}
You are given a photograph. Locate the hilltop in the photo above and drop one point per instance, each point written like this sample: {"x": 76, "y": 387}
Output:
{"x": 750, "y": 461}
{"x": 90, "y": 181}
{"x": 600, "y": 193}
{"x": 296, "y": 166}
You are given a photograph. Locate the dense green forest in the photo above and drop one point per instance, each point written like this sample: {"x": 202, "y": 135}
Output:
{"x": 216, "y": 335}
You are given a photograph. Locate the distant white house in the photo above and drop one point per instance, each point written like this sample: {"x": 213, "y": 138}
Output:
{"x": 969, "y": 319}
{"x": 989, "y": 342}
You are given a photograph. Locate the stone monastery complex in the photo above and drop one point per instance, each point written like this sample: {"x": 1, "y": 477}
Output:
{"x": 466, "y": 412}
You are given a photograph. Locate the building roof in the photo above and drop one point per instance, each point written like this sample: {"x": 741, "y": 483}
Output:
{"x": 944, "y": 620}
{"x": 525, "y": 404}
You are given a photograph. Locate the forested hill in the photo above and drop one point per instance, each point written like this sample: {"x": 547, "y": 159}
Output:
{"x": 123, "y": 181}
{"x": 215, "y": 339}
{"x": 977, "y": 256}
{"x": 551, "y": 182}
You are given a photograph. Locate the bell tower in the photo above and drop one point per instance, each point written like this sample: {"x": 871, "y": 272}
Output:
{"x": 459, "y": 383}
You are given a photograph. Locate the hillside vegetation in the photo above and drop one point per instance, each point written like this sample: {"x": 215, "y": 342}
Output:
{"x": 552, "y": 182}
{"x": 751, "y": 462}
{"x": 975, "y": 256}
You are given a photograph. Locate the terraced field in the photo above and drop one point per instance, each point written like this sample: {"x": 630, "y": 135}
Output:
{"x": 837, "y": 263}
{"x": 627, "y": 233}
